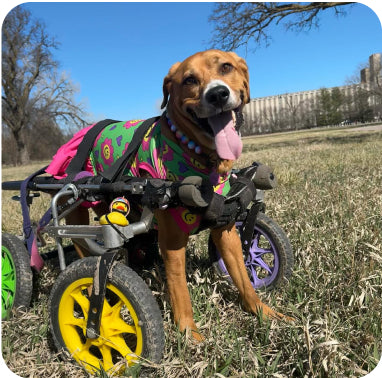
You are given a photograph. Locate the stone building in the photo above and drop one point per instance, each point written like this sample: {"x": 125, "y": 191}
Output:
{"x": 299, "y": 110}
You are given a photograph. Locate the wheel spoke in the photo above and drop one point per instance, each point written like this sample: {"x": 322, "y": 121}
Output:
{"x": 119, "y": 344}
{"x": 6, "y": 298}
{"x": 255, "y": 242}
{"x": 262, "y": 264}
{"x": 6, "y": 265}
{"x": 107, "y": 309}
{"x": 255, "y": 246}
{"x": 80, "y": 298}
{"x": 85, "y": 348}
{"x": 115, "y": 324}
{"x": 7, "y": 273}
{"x": 119, "y": 326}
{"x": 255, "y": 279}
{"x": 86, "y": 357}
{"x": 106, "y": 356}
{"x": 76, "y": 322}
{"x": 116, "y": 310}
{"x": 8, "y": 284}
{"x": 261, "y": 251}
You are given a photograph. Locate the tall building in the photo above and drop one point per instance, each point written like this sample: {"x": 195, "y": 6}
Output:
{"x": 300, "y": 109}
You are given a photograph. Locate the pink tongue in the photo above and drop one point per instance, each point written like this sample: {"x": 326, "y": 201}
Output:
{"x": 227, "y": 141}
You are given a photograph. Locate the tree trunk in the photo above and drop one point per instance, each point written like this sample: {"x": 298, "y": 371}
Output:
{"x": 22, "y": 154}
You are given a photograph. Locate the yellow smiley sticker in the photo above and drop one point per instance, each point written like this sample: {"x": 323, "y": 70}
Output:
{"x": 106, "y": 152}
{"x": 172, "y": 176}
{"x": 188, "y": 217}
{"x": 197, "y": 164}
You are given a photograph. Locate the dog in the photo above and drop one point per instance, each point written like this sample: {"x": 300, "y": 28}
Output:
{"x": 196, "y": 135}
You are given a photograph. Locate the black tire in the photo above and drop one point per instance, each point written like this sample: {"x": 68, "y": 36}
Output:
{"x": 16, "y": 276}
{"x": 134, "y": 325}
{"x": 273, "y": 234}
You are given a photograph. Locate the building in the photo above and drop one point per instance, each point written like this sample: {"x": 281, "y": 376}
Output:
{"x": 301, "y": 109}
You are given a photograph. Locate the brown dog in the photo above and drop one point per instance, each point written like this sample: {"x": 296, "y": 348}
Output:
{"x": 203, "y": 96}
{"x": 196, "y": 91}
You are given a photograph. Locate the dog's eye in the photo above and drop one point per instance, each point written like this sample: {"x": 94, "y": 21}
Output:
{"x": 226, "y": 68}
{"x": 190, "y": 80}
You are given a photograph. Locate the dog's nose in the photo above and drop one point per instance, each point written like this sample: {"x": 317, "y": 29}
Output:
{"x": 218, "y": 96}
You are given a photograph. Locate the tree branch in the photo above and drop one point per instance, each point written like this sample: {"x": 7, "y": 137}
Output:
{"x": 235, "y": 24}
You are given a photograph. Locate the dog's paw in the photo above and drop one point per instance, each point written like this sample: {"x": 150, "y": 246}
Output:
{"x": 265, "y": 312}
{"x": 279, "y": 316}
{"x": 195, "y": 336}
{"x": 192, "y": 333}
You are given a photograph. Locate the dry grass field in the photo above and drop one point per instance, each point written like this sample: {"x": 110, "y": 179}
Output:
{"x": 329, "y": 202}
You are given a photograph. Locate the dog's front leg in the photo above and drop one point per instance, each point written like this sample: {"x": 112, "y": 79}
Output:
{"x": 172, "y": 244}
{"x": 228, "y": 243}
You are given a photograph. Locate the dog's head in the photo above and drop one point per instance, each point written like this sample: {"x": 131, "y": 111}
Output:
{"x": 204, "y": 95}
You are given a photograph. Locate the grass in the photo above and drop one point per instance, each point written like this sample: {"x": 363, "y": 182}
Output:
{"x": 329, "y": 201}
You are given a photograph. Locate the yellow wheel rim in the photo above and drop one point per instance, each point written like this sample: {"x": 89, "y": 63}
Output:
{"x": 120, "y": 339}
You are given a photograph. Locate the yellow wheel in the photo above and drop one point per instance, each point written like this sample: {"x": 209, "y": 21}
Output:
{"x": 131, "y": 324}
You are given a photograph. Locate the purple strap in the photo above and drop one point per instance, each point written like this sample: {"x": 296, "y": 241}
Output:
{"x": 36, "y": 260}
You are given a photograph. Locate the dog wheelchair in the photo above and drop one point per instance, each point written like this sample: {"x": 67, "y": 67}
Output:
{"x": 101, "y": 310}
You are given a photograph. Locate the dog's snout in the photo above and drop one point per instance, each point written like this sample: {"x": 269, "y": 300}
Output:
{"x": 218, "y": 96}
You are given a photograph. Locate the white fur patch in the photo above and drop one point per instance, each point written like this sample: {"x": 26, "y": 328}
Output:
{"x": 208, "y": 109}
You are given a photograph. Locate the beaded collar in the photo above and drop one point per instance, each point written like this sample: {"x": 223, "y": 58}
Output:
{"x": 184, "y": 139}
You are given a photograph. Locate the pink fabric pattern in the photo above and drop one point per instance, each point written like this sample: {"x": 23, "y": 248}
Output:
{"x": 65, "y": 154}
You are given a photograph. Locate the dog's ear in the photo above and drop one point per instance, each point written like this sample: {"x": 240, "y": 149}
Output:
{"x": 244, "y": 68}
{"x": 242, "y": 64}
{"x": 167, "y": 83}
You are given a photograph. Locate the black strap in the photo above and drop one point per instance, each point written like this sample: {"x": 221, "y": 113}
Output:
{"x": 249, "y": 226}
{"x": 78, "y": 161}
{"x": 116, "y": 170}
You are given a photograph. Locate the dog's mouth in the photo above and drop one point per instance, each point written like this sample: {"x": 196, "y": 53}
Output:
{"x": 223, "y": 127}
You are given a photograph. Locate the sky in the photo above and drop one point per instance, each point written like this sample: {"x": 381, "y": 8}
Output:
{"x": 118, "y": 53}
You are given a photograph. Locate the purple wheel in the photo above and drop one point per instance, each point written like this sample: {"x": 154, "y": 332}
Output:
{"x": 269, "y": 261}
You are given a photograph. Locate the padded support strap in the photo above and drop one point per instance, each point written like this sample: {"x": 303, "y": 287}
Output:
{"x": 83, "y": 151}
{"x": 116, "y": 170}
{"x": 222, "y": 211}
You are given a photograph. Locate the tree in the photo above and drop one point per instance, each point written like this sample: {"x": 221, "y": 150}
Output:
{"x": 362, "y": 109}
{"x": 337, "y": 101}
{"x": 295, "y": 112}
{"x": 32, "y": 89}
{"x": 39, "y": 148}
{"x": 375, "y": 87}
{"x": 330, "y": 103}
{"x": 369, "y": 89}
{"x": 236, "y": 24}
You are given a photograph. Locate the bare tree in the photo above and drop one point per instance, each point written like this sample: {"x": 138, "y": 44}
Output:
{"x": 376, "y": 89}
{"x": 369, "y": 86}
{"x": 32, "y": 88}
{"x": 294, "y": 112}
{"x": 236, "y": 24}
